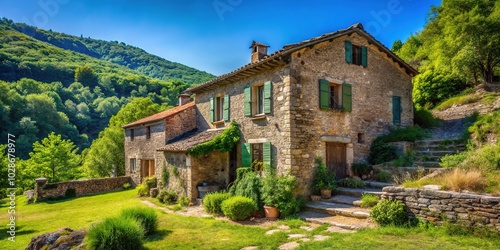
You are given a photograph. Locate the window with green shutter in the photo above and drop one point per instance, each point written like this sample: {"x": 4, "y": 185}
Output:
{"x": 267, "y": 97}
{"x": 364, "y": 56}
{"x": 256, "y": 152}
{"x": 246, "y": 155}
{"x": 347, "y": 97}
{"x": 212, "y": 109}
{"x": 356, "y": 54}
{"x": 335, "y": 96}
{"x": 348, "y": 51}
{"x": 248, "y": 101}
{"x": 226, "y": 108}
{"x": 396, "y": 110}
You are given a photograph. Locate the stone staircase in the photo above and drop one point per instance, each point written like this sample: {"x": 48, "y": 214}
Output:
{"x": 429, "y": 152}
{"x": 343, "y": 209}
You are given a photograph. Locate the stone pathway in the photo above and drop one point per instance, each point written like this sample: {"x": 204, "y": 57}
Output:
{"x": 295, "y": 238}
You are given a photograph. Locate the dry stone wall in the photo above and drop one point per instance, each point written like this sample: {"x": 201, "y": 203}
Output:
{"x": 434, "y": 205}
{"x": 82, "y": 187}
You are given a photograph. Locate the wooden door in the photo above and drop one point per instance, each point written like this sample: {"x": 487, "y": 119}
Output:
{"x": 336, "y": 159}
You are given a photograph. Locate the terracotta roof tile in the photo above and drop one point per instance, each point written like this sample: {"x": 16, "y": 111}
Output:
{"x": 160, "y": 116}
{"x": 187, "y": 140}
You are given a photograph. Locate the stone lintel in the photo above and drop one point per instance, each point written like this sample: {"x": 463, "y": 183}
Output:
{"x": 336, "y": 138}
{"x": 259, "y": 140}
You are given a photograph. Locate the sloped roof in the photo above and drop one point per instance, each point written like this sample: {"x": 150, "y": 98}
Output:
{"x": 279, "y": 58}
{"x": 187, "y": 140}
{"x": 160, "y": 116}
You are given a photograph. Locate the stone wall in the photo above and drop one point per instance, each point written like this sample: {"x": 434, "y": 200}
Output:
{"x": 142, "y": 148}
{"x": 297, "y": 129}
{"x": 372, "y": 90}
{"x": 432, "y": 205}
{"x": 82, "y": 187}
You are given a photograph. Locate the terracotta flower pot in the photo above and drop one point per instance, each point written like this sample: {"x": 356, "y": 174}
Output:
{"x": 315, "y": 197}
{"x": 271, "y": 212}
{"x": 326, "y": 193}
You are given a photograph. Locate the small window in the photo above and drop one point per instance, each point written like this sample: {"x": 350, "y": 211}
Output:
{"x": 132, "y": 134}
{"x": 257, "y": 152}
{"x": 148, "y": 132}
{"x": 219, "y": 110}
{"x": 361, "y": 138}
{"x": 132, "y": 165}
{"x": 258, "y": 99}
{"x": 335, "y": 95}
{"x": 356, "y": 54}
{"x": 256, "y": 155}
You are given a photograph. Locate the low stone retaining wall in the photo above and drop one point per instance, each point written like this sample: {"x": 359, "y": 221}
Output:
{"x": 81, "y": 187}
{"x": 433, "y": 205}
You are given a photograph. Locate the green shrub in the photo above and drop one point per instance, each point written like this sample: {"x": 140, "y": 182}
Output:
{"x": 383, "y": 176}
{"x": 238, "y": 207}
{"x": 127, "y": 186}
{"x": 142, "y": 190}
{"x": 381, "y": 152}
{"x": 167, "y": 196}
{"x": 247, "y": 184}
{"x": 145, "y": 216}
{"x": 212, "y": 202}
{"x": 369, "y": 200}
{"x": 278, "y": 191}
{"x": 389, "y": 212}
{"x": 361, "y": 168}
{"x": 352, "y": 183}
{"x": 323, "y": 179}
{"x": 146, "y": 185}
{"x": 116, "y": 233}
{"x": 424, "y": 118}
{"x": 70, "y": 193}
{"x": 184, "y": 201}
{"x": 164, "y": 175}
{"x": 486, "y": 124}
{"x": 405, "y": 160}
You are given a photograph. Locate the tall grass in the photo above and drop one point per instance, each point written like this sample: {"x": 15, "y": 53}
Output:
{"x": 145, "y": 216}
{"x": 116, "y": 233}
{"x": 459, "y": 180}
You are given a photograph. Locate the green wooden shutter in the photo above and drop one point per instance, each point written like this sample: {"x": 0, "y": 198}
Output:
{"x": 226, "y": 108}
{"x": 212, "y": 111}
{"x": 396, "y": 110}
{"x": 248, "y": 101}
{"x": 364, "y": 56}
{"x": 348, "y": 51}
{"x": 347, "y": 97}
{"x": 246, "y": 155}
{"x": 267, "y": 154}
{"x": 324, "y": 94}
{"x": 267, "y": 97}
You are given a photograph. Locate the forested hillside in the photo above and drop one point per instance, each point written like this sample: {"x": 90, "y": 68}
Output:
{"x": 116, "y": 52}
{"x": 459, "y": 48}
{"x": 46, "y": 89}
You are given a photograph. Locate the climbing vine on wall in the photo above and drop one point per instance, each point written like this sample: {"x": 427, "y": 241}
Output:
{"x": 222, "y": 143}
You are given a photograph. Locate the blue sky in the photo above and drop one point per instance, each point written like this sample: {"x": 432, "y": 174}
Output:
{"x": 214, "y": 35}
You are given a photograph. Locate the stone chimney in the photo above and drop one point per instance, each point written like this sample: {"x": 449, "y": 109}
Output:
{"x": 184, "y": 98}
{"x": 259, "y": 51}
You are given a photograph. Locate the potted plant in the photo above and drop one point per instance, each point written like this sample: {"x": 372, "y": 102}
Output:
{"x": 324, "y": 181}
{"x": 278, "y": 194}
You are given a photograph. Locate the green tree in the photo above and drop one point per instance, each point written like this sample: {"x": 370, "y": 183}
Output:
{"x": 85, "y": 75}
{"x": 55, "y": 158}
{"x": 396, "y": 46}
{"x": 106, "y": 154}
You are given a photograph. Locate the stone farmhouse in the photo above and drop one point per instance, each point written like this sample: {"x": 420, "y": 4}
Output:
{"x": 329, "y": 97}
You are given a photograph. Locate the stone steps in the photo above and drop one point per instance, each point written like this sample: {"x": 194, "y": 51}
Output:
{"x": 344, "y": 199}
{"x": 348, "y": 223}
{"x": 426, "y": 164}
{"x": 358, "y": 192}
{"x": 428, "y": 153}
{"x": 338, "y": 209}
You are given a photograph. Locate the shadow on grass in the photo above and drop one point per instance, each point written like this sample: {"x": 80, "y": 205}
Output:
{"x": 159, "y": 235}
{"x": 19, "y": 231}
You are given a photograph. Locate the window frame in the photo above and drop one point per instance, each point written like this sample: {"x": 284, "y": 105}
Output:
{"x": 219, "y": 108}
{"x": 133, "y": 165}
{"x": 148, "y": 132}
{"x": 132, "y": 134}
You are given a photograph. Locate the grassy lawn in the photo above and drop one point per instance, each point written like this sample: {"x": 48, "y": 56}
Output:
{"x": 180, "y": 232}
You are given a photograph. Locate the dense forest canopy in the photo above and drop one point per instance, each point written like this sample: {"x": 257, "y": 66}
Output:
{"x": 458, "y": 48}
{"x": 116, "y": 52}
